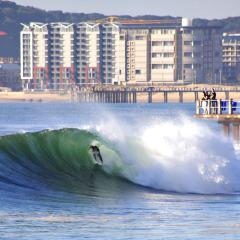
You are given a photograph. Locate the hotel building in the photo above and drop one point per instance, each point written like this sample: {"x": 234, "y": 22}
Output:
{"x": 57, "y": 55}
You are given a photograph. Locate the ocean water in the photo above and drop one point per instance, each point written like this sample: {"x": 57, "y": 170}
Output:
{"x": 165, "y": 175}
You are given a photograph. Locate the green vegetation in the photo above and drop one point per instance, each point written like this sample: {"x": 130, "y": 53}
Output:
{"x": 11, "y": 15}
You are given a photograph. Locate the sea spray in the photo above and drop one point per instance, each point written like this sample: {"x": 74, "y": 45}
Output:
{"x": 176, "y": 155}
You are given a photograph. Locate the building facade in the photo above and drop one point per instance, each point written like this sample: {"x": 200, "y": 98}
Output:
{"x": 10, "y": 75}
{"x": 58, "y": 55}
{"x": 87, "y": 53}
{"x": 231, "y": 57}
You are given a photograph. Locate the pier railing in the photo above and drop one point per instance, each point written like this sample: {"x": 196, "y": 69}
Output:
{"x": 218, "y": 107}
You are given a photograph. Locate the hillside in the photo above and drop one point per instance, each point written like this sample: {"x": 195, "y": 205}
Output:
{"x": 11, "y": 15}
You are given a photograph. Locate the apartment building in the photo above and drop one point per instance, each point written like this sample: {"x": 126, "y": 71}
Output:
{"x": 57, "y": 55}
{"x": 34, "y": 55}
{"x": 61, "y": 56}
{"x": 231, "y": 57}
{"x": 199, "y": 57}
{"x": 87, "y": 53}
{"x": 47, "y": 55}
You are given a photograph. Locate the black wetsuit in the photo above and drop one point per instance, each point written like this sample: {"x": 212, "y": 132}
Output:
{"x": 96, "y": 154}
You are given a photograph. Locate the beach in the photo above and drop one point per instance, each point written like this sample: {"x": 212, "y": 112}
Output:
{"x": 33, "y": 97}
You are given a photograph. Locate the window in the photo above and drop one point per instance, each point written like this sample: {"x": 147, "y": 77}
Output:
{"x": 157, "y": 55}
{"x": 168, "y": 43}
{"x": 138, "y": 71}
{"x": 157, "y": 66}
{"x": 168, "y": 55}
{"x": 187, "y": 66}
{"x": 188, "y": 54}
{"x": 139, "y": 38}
{"x": 167, "y": 66}
{"x": 188, "y": 43}
{"x": 157, "y": 43}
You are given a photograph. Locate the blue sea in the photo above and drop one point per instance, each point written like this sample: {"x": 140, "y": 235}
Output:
{"x": 165, "y": 175}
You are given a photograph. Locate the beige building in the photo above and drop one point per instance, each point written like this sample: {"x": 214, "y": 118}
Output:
{"x": 163, "y": 55}
{"x": 170, "y": 51}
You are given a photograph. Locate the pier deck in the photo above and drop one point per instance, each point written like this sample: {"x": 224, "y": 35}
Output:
{"x": 151, "y": 94}
{"x": 221, "y": 110}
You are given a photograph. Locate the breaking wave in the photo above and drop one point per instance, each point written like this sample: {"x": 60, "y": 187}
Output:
{"x": 182, "y": 156}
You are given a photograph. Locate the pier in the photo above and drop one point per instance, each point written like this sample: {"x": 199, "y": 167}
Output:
{"x": 147, "y": 94}
{"x": 225, "y": 112}
{"x": 227, "y": 109}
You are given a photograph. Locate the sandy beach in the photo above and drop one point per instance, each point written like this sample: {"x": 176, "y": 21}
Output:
{"x": 33, "y": 97}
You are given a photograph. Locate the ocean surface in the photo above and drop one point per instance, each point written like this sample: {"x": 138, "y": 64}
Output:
{"x": 165, "y": 175}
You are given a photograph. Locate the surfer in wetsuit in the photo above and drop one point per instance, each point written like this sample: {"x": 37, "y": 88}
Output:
{"x": 96, "y": 154}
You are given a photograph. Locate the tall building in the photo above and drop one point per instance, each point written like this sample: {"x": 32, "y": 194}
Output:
{"x": 57, "y": 55}
{"x": 87, "y": 53}
{"x": 231, "y": 57}
{"x": 199, "y": 57}
{"x": 34, "y": 55}
{"x": 61, "y": 55}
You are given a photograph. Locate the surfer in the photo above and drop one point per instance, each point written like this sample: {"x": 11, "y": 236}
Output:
{"x": 96, "y": 154}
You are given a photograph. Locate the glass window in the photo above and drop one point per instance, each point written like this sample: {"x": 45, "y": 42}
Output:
{"x": 188, "y": 66}
{"x": 188, "y": 54}
{"x": 157, "y": 43}
{"x": 188, "y": 43}
{"x": 157, "y": 66}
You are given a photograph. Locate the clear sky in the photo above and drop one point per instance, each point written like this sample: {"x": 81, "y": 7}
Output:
{"x": 187, "y": 8}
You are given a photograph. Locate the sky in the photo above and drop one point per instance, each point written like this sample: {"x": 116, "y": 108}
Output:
{"x": 186, "y": 8}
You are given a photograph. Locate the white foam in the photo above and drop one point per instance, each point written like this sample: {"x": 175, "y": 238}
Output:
{"x": 180, "y": 155}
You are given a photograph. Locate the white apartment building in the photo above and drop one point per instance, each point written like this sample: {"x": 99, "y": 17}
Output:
{"x": 87, "y": 53}
{"x": 109, "y": 49}
{"x": 61, "y": 56}
{"x": 57, "y": 55}
{"x": 34, "y": 55}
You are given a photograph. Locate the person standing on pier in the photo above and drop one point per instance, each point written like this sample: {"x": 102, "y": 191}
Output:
{"x": 214, "y": 101}
{"x": 213, "y": 95}
{"x": 205, "y": 102}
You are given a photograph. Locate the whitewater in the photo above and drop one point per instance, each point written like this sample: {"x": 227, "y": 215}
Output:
{"x": 163, "y": 173}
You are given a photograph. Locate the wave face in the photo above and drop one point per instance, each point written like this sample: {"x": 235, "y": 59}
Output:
{"x": 184, "y": 157}
{"x": 59, "y": 159}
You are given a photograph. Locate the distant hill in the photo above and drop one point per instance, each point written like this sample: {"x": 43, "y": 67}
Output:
{"x": 12, "y": 14}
